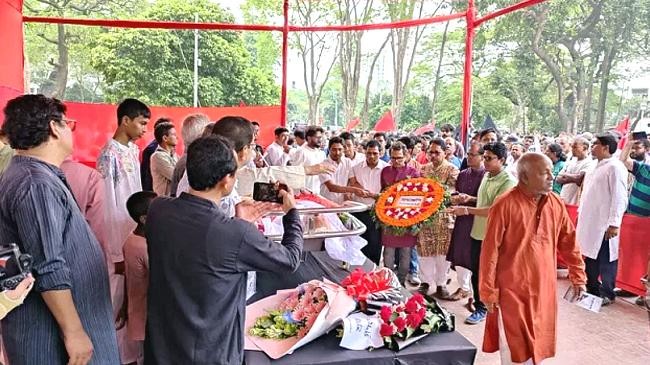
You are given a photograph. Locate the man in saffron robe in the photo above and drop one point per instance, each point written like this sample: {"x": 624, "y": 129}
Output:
{"x": 526, "y": 226}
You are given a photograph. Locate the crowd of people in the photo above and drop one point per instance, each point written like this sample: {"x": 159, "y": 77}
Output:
{"x": 146, "y": 259}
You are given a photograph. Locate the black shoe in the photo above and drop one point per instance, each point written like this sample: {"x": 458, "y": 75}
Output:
{"x": 423, "y": 288}
{"x": 623, "y": 293}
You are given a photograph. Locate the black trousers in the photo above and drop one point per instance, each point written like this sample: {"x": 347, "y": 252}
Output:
{"x": 373, "y": 235}
{"x": 602, "y": 267}
{"x": 476, "y": 259}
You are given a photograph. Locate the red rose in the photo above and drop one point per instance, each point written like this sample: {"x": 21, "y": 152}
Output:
{"x": 400, "y": 323}
{"x": 413, "y": 320}
{"x": 385, "y": 314}
{"x": 386, "y": 330}
{"x": 418, "y": 298}
{"x": 399, "y": 309}
{"x": 412, "y": 306}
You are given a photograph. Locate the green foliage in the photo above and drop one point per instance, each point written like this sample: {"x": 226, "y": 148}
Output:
{"x": 157, "y": 66}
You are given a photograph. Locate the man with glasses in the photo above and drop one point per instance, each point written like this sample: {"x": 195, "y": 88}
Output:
{"x": 397, "y": 247}
{"x": 601, "y": 209}
{"x": 496, "y": 182}
{"x": 68, "y": 317}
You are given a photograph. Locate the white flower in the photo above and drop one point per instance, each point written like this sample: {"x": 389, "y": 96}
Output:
{"x": 413, "y": 212}
{"x": 409, "y": 184}
{"x": 425, "y": 189}
{"x": 429, "y": 199}
{"x": 407, "y": 210}
{"x": 418, "y": 183}
{"x": 390, "y": 199}
{"x": 399, "y": 187}
{"x": 389, "y": 213}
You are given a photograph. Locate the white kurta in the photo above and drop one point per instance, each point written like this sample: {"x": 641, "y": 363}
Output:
{"x": 307, "y": 156}
{"x": 339, "y": 177}
{"x": 570, "y": 193}
{"x": 602, "y": 204}
{"x": 120, "y": 168}
{"x": 369, "y": 179}
{"x": 275, "y": 155}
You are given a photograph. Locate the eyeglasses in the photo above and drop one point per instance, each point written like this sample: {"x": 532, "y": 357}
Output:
{"x": 71, "y": 123}
{"x": 489, "y": 158}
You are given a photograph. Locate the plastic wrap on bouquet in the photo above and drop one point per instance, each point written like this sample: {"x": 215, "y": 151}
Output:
{"x": 339, "y": 305}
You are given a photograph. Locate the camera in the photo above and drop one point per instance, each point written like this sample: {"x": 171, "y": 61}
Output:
{"x": 14, "y": 266}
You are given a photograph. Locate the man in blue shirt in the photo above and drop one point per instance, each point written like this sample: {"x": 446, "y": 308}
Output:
{"x": 68, "y": 318}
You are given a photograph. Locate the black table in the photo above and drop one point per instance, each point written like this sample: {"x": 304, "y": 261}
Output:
{"x": 436, "y": 349}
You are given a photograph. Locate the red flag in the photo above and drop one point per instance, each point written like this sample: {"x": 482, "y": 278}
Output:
{"x": 430, "y": 127}
{"x": 353, "y": 123}
{"x": 623, "y": 128}
{"x": 386, "y": 123}
{"x": 241, "y": 103}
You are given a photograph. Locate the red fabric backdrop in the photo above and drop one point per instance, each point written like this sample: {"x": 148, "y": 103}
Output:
{"x": 633, "y": 251}
{"x": 11, "y": 41}
{"x": 97, "y": 122}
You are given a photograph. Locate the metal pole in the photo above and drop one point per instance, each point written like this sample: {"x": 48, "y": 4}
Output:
{"x": 285, "y": 53}
{"x": 467, "y": 79}
{"x": 196, "y": 63}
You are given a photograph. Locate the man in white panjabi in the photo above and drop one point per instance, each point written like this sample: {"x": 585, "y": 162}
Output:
{"x": 119, "y": 166}
{"x": 335, "y": 185}
{"x": 572, "y": 175}
{"x": 277, "y": 153}
{"x": 602, "y": 205}
{"x": 310, "y": 154}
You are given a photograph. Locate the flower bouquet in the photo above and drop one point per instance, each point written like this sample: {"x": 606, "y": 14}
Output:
{"x": 406, "y": 323}
{"x": 281, "y": 323}
{"x": 408, "y": 205}
{"x": 373, "y": 289}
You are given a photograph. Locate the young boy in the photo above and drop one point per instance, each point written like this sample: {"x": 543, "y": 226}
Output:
{"x": 136, "y": 265}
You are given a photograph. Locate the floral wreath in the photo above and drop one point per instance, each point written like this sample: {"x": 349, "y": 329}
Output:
{"x": 409, "y": 205}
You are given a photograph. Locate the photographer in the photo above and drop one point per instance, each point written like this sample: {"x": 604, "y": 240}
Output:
{"x": 198, "y": 265}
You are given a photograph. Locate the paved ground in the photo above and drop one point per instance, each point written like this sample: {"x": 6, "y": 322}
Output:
{"x": 619, "y": 334}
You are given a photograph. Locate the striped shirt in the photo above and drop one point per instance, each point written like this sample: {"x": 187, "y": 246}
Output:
{"x": 40, "y": 215}
{"x": 640, "y": 194}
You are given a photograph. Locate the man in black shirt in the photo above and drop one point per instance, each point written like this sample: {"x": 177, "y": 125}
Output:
{"x": 199, "y": 258}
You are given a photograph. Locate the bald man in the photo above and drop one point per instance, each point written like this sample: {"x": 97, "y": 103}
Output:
{"x": 573, "y": 173}
{"x": 526, "y": 227}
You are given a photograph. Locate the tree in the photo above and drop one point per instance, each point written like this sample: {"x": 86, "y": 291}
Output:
{"x": 56, "y": 82}
{"x": 315, "y": 49}
{"x": 350, "y": 51}
{"x": 402, "y": 41}
{"x": 155, "y": 65}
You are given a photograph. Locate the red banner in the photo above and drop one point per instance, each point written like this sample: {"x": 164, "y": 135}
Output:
{"x": 386, "y": 123}
{"x": 96, "y": 124}
{"x": 633, "y": 253}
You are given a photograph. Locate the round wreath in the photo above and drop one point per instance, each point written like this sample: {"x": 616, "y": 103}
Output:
{"x": 409, "y": 205}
